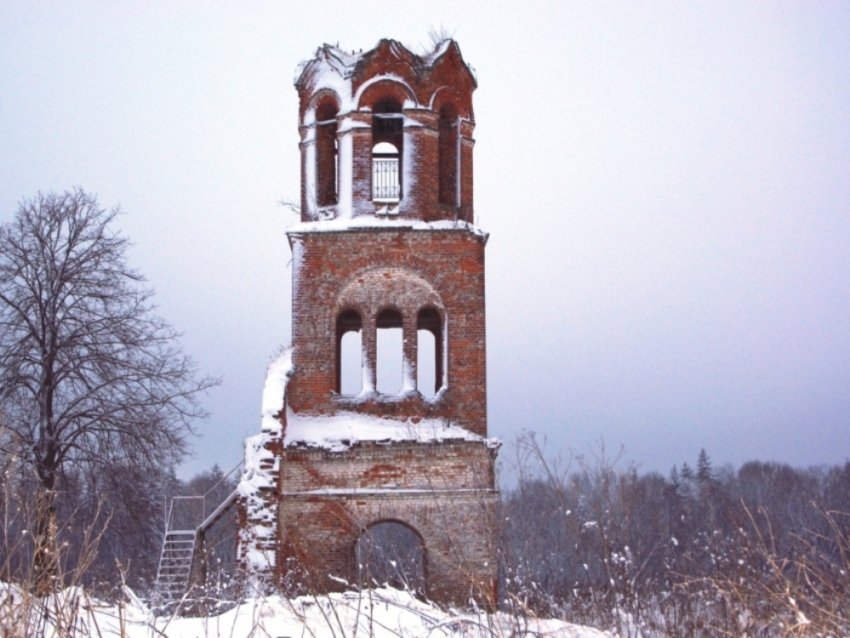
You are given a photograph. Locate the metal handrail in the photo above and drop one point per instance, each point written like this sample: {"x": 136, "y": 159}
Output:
{"x": 218, "y": 511}
{"x": 225, "y": 477}
{"x": 187, "y": 517}
{"x": 200, "y": 499}
{"x": 170, "y": 519}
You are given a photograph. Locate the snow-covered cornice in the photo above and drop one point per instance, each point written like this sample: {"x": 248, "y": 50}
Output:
{"x": 345, "y": 73}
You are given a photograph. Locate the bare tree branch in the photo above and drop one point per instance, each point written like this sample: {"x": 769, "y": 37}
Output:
{"x": 88, "y": 373}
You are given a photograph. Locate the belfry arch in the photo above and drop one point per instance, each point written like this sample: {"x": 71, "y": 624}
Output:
{"x": 349, "y": 356}
{"x": 392, "y": 299}
{"x": 448, "y": 155}
{"x": 430, "y": 350}
{"x": 326, "y": 153}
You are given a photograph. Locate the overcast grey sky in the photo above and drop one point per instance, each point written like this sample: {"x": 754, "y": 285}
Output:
{"x": 667, "y": 187}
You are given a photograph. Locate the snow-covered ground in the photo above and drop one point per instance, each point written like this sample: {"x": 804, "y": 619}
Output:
{"x": 379, "y": 612}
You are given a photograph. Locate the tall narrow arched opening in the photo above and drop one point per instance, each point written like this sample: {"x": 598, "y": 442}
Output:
{"x": 327, "y": 168}
{"x": 391, "y": 553}
{"x": 387, "y": 150}
{"x": 349, "y": 353}
{"x": 429, "y": 352}
{"x": 448, "y": 151}
{"x": 390, "y": 352}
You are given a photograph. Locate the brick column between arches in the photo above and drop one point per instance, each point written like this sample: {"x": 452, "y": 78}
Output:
{"x": 409, "y": 349}
{"x": 370, "y": 353}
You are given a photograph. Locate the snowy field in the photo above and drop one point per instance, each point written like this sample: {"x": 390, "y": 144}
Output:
{"x": 380, "y": 612}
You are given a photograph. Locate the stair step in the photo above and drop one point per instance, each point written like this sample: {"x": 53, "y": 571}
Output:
{"x": 175, "y": 564}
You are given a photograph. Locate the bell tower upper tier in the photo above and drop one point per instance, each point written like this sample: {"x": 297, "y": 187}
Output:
{"x": 386, "y": 133}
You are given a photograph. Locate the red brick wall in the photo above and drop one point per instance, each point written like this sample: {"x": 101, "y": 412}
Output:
{"x": 466, "y": 145}
{"x": 454, "y": 515}
{"x": 422, "y": 466}
{"x": 335, "y": 271}
{"x": 361, "y": 171}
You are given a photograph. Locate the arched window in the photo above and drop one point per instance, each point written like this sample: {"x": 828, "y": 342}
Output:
{"x": 349, "y": 353}
{"x": 448, "y": 153}
{"x": 391, "y": 553}
{"x": 390, "y": 352}
{"x": 326, "y": 155}
{"x": 387, "y": 140}
{"x": 429, "y": 352}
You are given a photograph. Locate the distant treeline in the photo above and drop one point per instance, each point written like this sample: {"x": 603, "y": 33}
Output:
{"x": 111, "y": 523}
{"x": 757, "y": 550}
{"x": 764, "y": 550}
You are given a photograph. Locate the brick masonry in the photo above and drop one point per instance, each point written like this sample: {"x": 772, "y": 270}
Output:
{"x": 433, "y": 96}
{"x": 442, "y": 491}
{"x": 346, "y": 276}
{"x": 406, "y": 270}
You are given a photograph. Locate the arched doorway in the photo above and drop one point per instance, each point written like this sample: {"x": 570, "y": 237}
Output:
{"x": 390, "y": 553}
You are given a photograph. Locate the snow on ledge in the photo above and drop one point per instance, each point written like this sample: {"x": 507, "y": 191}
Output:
{"x": 372, "y": 222}
{"x": 257, "y": 538}
{"x": 339, "y": 432}
{"x": 277, "y": 376}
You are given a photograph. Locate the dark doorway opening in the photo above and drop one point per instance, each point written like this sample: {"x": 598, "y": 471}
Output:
{"x": 391, "y": 553}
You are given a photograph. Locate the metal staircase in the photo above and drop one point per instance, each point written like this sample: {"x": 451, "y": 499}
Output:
{"x": 183, "y": 557}
{"x": 175, "y": 564}
{"x": 173, "y": 576}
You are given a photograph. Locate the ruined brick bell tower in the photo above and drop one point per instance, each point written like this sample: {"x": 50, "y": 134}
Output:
{"x": 383, "y": 431}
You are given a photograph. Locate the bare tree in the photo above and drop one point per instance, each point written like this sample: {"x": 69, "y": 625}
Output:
{"x": 89, "y": 375}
